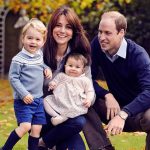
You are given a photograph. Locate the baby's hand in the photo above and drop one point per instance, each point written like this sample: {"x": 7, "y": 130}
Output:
{"x": 48, "y": 73}
{"x": 28, "y": 99}
{"x": 87, "y": 103}
{"x": 52, "y": 85}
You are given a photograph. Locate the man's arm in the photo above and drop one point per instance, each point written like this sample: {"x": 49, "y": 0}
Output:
{"x": 141, "y": 68}
{"x": 111, "y": 103}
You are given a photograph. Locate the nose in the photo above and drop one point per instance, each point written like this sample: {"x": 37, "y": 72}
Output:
{"x": 73, "y": 68}
{"x": 101, "y": 36}
{"x": 33, "y": 41}
{"x": 62, "y": 29}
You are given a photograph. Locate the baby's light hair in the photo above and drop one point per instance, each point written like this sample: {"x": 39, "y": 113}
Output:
{"x": 36, "y": 24}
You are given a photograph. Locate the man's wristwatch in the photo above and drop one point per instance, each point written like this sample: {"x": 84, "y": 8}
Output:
{"x": 123, "y": 115}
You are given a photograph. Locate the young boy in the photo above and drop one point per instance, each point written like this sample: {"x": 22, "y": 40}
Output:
{"x": 26, "y": 77}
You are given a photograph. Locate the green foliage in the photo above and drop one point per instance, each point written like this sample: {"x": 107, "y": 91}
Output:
{"x": 138, "y": 15}
{"x": 89, "y": 11}
{"x": 35, "y": 8}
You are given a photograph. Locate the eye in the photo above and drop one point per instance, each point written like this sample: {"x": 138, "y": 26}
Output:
{"x": 68, "y": 26}
{"x": 78, "y": 67}
{"x": 29, "y": 37}
{"x": 108, "y": 33}
{"x": 58, "y": 25}
{"x": 38, "y": 39}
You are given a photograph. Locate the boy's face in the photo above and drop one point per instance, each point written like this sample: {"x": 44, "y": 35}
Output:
{"x": 74, "y": 67}
{"x": 33, "y": 40}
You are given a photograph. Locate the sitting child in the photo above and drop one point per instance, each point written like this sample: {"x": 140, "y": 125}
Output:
{"x": 73, "y": 92}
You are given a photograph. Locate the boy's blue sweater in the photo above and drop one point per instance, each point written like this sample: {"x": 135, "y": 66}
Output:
{"x": 128, "y": 79}
{"x": 26, "y": 75}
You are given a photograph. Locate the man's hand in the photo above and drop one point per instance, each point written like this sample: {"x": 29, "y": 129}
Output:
{"x": 112, "y": 106}
{"x": 28, "y": 99}
{"x": 115, "y": 126}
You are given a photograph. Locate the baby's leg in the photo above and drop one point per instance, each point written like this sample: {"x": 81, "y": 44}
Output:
{"x": 33, "y": 139}
{"x": 58, "y": 119}
{"x": 48, "y": 107}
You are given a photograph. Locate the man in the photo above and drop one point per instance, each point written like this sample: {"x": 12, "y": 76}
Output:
{"x": 126, "y": 67}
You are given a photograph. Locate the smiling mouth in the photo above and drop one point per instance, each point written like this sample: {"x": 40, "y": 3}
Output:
{"x": 61, "y": 36}
{"x": 32, "y": 46}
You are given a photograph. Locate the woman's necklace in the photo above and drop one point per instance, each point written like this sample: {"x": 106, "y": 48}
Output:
{"x": 59, "y": 58}
{"x": 60, "y": 53}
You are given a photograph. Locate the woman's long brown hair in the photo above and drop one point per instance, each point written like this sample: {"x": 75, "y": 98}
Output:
{"x": 79, "y": 42}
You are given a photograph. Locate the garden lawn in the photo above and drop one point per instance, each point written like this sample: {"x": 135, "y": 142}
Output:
{"x": 125, "y": 141}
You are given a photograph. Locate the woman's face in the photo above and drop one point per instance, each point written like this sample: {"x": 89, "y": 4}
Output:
{"x": 62, "y": 32}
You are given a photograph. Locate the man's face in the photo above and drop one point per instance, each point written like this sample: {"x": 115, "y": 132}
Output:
{"x": 109, "y": 38}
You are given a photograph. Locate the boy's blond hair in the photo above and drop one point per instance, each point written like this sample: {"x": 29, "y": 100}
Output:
{"x": 36, "y": 24}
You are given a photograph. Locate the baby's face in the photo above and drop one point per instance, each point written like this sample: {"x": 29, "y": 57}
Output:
{"x": 74, "y": 67}
{"x": 33, "y": 40}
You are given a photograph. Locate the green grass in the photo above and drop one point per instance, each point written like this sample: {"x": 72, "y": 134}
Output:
{"x": 125, "y": 141}
{"x": 8, "y": 123}
{"x": 129, "y": 141}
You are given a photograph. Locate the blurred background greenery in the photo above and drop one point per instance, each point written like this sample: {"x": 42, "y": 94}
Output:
{"x": 89, "y": 11}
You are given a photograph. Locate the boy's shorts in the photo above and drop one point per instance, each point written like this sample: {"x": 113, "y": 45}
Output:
{"x": 33, "y": 113}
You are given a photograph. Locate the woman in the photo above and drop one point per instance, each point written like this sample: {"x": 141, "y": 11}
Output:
{"x": 65, "y": 35}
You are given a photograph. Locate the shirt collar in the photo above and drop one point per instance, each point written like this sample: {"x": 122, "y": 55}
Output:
{"x": 67, "y": 52}
{"x": 122, "y": 51}
{"x": 30, "y": 54}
